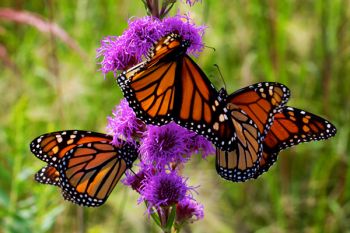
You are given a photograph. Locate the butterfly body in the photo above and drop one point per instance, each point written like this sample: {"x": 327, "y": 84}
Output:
{"x": 84, "y": 164}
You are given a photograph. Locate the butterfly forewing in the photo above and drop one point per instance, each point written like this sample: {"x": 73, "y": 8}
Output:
{"x": 150, "y": 90}
{"x": 261, "y": 101}
{"x": 166, "y": 49}
{"x": 53, "y": 146}
{"x": 291, "y": 127}
{"x": 202, "y": 110}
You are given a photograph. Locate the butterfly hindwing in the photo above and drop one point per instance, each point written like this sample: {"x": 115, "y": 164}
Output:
{"x": 241, "y": 163}
{"x": 48, "y": 175}
{"x": 252, "y": 109}
{"x": 89, "y": 172}
{"x": 90, "y": 167}
{"x": 291, "y": 127}
{"x": 150, "y": 96}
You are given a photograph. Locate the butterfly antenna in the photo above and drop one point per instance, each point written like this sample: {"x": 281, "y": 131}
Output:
{"x": 222, "y": 77}
{"x": 134, "y": 173}
{"x": 205, "y": 46}
{"x": 209, "y": 47}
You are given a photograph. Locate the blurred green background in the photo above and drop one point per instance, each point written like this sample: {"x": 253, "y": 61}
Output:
{"x": 50, "y": 81}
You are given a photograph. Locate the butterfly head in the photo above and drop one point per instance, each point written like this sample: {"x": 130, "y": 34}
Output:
{"x": 185, "y": 43}
{"x": 223, "y": 94}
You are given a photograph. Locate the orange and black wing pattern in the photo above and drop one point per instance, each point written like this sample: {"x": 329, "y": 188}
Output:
{"x": 252, "y": 109}
{"x": 201, "y": 108}
{"x": 241, "y": 163}
{"x": 261, "y": 101}
{"x": 149, "y": 87}
{"x": 89, "y": 168}
{"x": 48, "y": 175}
{"x": 170, "y": 86}
{"x": 51, "y": 147}
{"x": 291, "y": 127}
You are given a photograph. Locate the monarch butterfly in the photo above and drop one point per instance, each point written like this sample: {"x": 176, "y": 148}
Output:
{"x": 83, "y": 164}
{"x": 170, "y": 86}
{"x": 290, "y": 127}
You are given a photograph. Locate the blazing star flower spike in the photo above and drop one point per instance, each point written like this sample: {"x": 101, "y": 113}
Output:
{"x": 199, "y": 143}
{"x": 185, "y": 27}
{"x": 134, "y": 180}
{"x": 122, "y": 52}
{"x": 165, "y": 144}
{"x": 124, "y": 124}
{"x": 142, "y": 34}
{"x": 164, "y": 189}
{"x": 116, "y": 54}
{"x": 188, "y": 210}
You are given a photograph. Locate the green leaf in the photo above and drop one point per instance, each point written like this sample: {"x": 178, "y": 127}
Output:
{"x": 156, "y": 219}
{"x": 154, "y": 216}
{"x": 171, "y": 218}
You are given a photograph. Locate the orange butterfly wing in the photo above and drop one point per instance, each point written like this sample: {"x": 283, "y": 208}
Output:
{"x": 89, "y": 172}
{"x": 261, "y": 101}
{"x": 258, "y": 102}
{"x": 170, "y": 86}
{"x": 48, "y": 175}
{"x": 291, "y": 127}
{"x": 86, "y": 166}
{"x": 51, "y": 147}
{"x": 149, "y": 86}
{"x": 241, "y": 163}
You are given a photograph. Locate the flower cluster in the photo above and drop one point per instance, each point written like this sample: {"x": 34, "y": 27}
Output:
{"x": 124, "y": 124}
{"x": 122, "y": 52}
{"x": 163, "y": 150}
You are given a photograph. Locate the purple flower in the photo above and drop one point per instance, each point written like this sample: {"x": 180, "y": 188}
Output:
{"x": 122, "y": 52}
{"x": 142, "y": 34}
{"x": 188, "y": 210}
{"x": 185, "y": 26}
{"x": 198, "y": 143}
{"x": 164, "y": 189}
{"x": 165, "y": 144}
{"x": 124, "y": 124}
{"x": 116, "y": 54}
{"x": 134, "y": 180}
